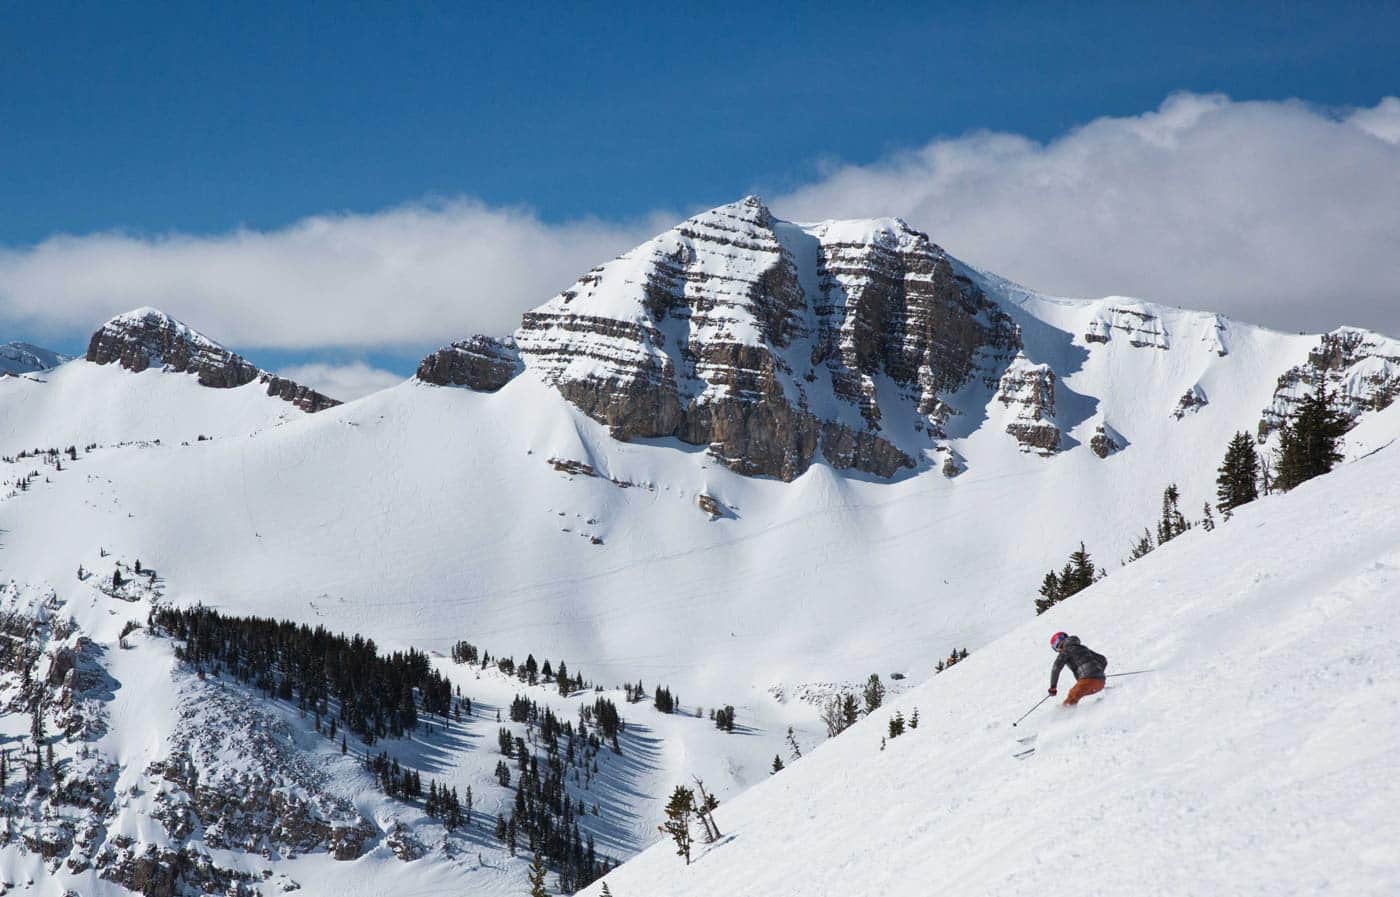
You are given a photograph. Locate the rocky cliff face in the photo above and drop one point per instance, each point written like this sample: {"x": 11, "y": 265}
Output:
{"x": 1028, "y": 391}
{"x": 769, "y": 342}
{"x": 1360, "y": 369}
{"x": 480, "y": 363}
{"x": 1129, "y": 321}
{"x": 145, "y": 337}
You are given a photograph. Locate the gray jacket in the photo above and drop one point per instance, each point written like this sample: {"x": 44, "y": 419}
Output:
{"x": 1083, "y": 662}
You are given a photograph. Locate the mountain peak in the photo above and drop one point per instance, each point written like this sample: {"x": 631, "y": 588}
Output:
{"x": 146, "y": 336}
{"x": 766, "y": 341}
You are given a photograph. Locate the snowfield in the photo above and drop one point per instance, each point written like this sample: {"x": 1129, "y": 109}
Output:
{"x": 1258, "y": 757}
{"x": 1255, "y": 759}
{"x": 79, "y": 403}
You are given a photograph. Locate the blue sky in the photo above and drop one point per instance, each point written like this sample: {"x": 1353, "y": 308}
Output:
{"x": 176, "y": 119}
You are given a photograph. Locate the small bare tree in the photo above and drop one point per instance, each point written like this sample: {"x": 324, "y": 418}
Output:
{"x": 705, "y": 811}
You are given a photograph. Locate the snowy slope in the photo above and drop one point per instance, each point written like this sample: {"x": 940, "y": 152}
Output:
{"x": 1257, "y": 759}
{"x": 23, "y": 358}
{"x": 79, "y": 403}
{"x": 422, "y": 515}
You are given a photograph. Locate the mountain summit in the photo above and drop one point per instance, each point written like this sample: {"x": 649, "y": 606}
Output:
{"x": 147, "y": 336}
{"x": 864, "y": 345}
{"x": 771, "y": 342}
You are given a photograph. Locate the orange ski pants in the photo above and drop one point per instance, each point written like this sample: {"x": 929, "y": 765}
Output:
{"x": 1082, "y": 689}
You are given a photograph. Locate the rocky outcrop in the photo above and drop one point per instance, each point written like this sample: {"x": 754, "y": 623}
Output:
{"x": 1359, "y": 369}
{"x": 304, "y": 397}
{"x": 482, "y": 363}
{"x": 1141, "y": 328}
{"x": 147, "y": 337}
{"x": 768, "y": 342}
{"x": 711, "y": 506}
{"x": 1106, "y": 441}
{"x": 1028, "y": 391}
{"x": 1191, "y": 401}
{"x": 236, "y": 778}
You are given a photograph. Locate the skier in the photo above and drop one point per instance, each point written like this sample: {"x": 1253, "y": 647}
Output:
{"x": 1088, "y": 667}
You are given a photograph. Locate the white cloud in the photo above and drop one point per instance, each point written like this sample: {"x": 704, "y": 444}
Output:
{"x": 1274, "y": 212}
{"x": 416, "y": 276}
{"x": 342, "y": 381}
{"x": 1382, "y": 120}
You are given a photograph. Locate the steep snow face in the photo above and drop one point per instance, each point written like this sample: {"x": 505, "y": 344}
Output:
{"x": 145, "y": 337}
{"x": 27, "y": 358}
{"x": 1256, "y": 758}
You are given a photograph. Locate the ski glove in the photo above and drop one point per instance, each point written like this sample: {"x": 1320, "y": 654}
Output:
{"x": 1052, "y": 691}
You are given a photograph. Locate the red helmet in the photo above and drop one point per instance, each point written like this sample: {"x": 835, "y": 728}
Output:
{"x": 1057, "y": 638}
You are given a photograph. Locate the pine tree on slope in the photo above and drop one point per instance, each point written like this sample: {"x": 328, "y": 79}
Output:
{"x": 537, "y": 888}
{"x": 1309, "y": 445}
{"x": 1237, "y": 482}
{"x": 1173, "y": 522}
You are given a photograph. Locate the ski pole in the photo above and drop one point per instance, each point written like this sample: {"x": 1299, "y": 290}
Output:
{"x": 1133, "y": 673}
{"x": 1032, "y": 710}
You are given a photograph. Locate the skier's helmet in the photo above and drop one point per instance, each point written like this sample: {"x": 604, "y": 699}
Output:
{"x": 1056, "y": 639}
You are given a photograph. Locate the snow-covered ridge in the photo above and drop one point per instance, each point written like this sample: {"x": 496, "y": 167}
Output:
{"x": 147, "y": 337}
{"x": 861, "y": 344}
{"x": 773, "y": 344}
{"x": 26, "y": 358}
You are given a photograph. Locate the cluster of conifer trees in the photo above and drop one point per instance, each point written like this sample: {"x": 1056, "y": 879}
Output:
{"x": 529, "y": 672}
{"x": 374, "y": 696}
{"x": 369, "y": 694}
{"x": 545, "y": 819}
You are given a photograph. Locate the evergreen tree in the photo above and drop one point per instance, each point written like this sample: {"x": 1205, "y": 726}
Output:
{"x": 1142, "y": 547}
{"x": 777, "y": 764}
{"x": 850, "y": 710}
{"x": 897, "y": 724}
{"x": 677, "y": 824}
{"x": 537, "y": 888}
{"x": 724, "y": 718}
{"x": 874, "y": 693}
{"x": 1077, "y": 574}
{"x": 1207, "y": 519}
{"x": 1237, "y": 478}
{"x": 1050, "y": 594}
{"x": 1310, "y": 444}
{"x": 1173, "y": 522}
{"x": 1082, "y": 572}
